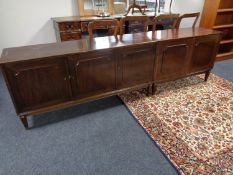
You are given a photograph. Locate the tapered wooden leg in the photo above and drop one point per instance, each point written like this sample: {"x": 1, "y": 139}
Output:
{"x": 148, "y": 90}
{"x": 24, "y": 121}
{"x": 154, "y": 88}
{"x": 207, "y": 74}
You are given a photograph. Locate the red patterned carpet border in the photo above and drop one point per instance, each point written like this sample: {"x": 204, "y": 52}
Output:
{"x": 191, "y": 120}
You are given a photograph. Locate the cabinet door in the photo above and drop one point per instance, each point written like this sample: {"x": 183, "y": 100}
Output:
{"x": 37, "y": 84}
{"x": 93, "y": 73}
{"x": 204, "y": 53}
{"x": 172, "y": 59}
{"x": 135, "y": 66}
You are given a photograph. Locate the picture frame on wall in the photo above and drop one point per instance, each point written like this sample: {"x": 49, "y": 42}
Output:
{"x": 93, "y": 7}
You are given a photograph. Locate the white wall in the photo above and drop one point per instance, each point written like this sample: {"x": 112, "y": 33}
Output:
{"x": 186, "y": 6}
{"x": 27, "y": 22}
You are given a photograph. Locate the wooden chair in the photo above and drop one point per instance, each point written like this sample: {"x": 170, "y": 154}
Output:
{"x": 143, "y": 19}
{"x": 172, "y": 18}
{"x": 138, "y": 6}
{"x": 170, "y": 6}
{"x": 188, "y": 15}
{"x": 143, "y": 6}
{"x": 112, "y": 25}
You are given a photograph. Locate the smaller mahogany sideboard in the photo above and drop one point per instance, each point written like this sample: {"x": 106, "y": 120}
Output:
{"x": 46, "y": 77}
{"x": 75, "y": 27}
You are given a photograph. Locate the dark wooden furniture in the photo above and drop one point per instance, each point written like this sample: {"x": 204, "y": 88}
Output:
{"x": 43, "y": 78}
{"x": 111, "y": 25}
{"x": 218, "y": 14}
{"x": 76, "y": 27}
{"x": 188, "y": 15}
{"x": 137, "y": 6}
{"x": 140, "y": 24}
{"x": 170, "y": 6}
{"x": 143, "y": 6}
{"x": 172, "y": 18}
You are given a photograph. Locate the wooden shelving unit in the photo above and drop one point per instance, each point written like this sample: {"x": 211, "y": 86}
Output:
{"x": 218, "y": 14}
{"x": 225, "y": 10}
{"x": 226, "y": 41}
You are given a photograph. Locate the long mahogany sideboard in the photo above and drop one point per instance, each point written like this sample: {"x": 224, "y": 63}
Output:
{"x": 43, "y": 78}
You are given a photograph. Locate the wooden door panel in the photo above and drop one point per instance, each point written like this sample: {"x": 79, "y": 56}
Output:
{"x": 173, "y": 58}
{"x": 204, "y": 53}
{"x": 38, "y": 83}
{"x": 93, "y": 74}
{"x": 135, "y": 66}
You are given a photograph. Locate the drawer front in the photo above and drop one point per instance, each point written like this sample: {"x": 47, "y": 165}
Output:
{"x": 84, "y": 26}
{"x": 67, "y": 36}
{"x": 68, "y": 26}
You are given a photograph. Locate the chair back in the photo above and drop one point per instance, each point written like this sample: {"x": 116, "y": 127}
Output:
{"x": 188, "y": 15}
{"x": 165, "y": 18}
{"x": 112, "y": 25}
{"x": 143, "y": 19}
{"x": 139, "y": 6}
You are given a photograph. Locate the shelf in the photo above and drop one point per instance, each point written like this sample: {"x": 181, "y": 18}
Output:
{"x": 225, "y": 41}
{"x": 224, "y": 4}
{"x": 227, "y": 33}
{"x": 225, "y": 51}
{"x": 225, "y": 10}
{"x": 222, "y": 26}
{"x": 218, "y": 15}
{"x": 224, "y": 19}
{"x": 224, "y": 56}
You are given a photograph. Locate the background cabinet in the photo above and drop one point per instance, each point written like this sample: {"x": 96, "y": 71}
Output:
{"x": 67, "y": 30}
{"x": 37, "y": 84}
{"x": 218, "y": 14}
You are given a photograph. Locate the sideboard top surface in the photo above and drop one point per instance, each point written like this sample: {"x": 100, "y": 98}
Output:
{"x": 85, "y": 45}
{"x": 88, "y": 18}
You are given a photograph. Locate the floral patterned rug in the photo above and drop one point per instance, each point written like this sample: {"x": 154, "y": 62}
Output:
{"x": 192, "y": 122}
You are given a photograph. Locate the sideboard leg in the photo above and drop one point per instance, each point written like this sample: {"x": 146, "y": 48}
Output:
{"x": 207, "y": 74}
{"x": 154, "y": 88}
{"x": 24, "y": 121}
{"x": 148, "y": 90}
